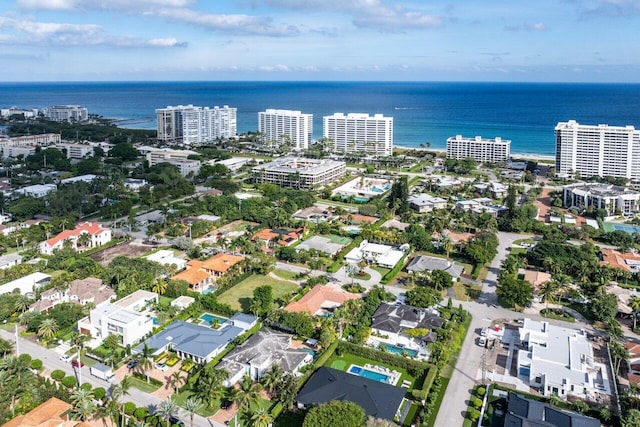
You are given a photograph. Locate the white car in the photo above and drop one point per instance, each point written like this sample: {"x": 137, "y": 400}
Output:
{"x": 66, "y": 358}
{"x": 161, "y": 366}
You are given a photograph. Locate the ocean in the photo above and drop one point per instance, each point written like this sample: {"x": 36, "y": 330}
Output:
{"x": 525, "y": 113}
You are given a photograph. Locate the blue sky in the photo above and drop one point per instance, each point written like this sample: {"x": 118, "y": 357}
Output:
{"x": 462, "y": 40}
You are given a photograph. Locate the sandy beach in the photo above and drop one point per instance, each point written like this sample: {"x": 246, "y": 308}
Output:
{"x": 515, "y": 156}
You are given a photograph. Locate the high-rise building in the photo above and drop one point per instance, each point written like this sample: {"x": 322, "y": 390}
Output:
{"x": 67, "y": 113}
{"x": 600, "y": 150}
{"x": 196, "y": 125}
{"x": 479, "y": 149}
{"x": 284, "y": 126}
{"x": 360, "y": 133}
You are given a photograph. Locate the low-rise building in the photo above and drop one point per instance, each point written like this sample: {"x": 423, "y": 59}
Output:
{"x": 80, "y": 178}
{"x": 426, "y": 203}
{"x": 76, "y": 151}
{"x": 37, "y": 191}
{"x": 167, "y": 257}
{"x": 627, "y": 261}
{"x": 393, "y": 320}
{"x": 52, "y": 413}
{"x": 560, "y": 361}
{"x": 384, "y": 255}
{"x": 129, "y": 318}
{"x": 10, "y": 260}
{"x": 523, "y": 412}
{"x": 134, "y": 184}
{"x": 423, "y": 263}
{"x": 259, "y": 353}
{"x": 615, "y": 200}
{"x": 27, "y": 284}
{"x": 202, "y": 275}
{"x": 314, "y": 214}
{"x": 320, "y": 301}
{"x": 322, "y": 244}
{"x": 537, "y": 279}
{"x": 300, "y": 173}
{"x": 80, "y": 291}
{"x": 96, "y": 235}
{"x": 271, "y": 236}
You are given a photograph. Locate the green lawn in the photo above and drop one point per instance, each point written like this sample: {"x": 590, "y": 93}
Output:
{"x": 164, "y": 301}
{"x": 383, "y": 271}
{"x": 143, "y": 385}
{"x": 342, "y": 363}
{"x": 289, "y": 275}
{"x": 466, "y": 291}
{"x": 181, "y": 399}
{"x": 239, "y": 296}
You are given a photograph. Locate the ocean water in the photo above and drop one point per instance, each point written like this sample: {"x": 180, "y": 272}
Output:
{"x": 525, "y": 113}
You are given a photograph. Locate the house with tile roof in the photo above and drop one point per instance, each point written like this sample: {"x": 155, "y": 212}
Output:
{"x": 269, "y": 237}
{"x": 634, "y": 356}
{"x": 202, "y": 275}
{"x": 81, "y": 291}
{"x": 52, "y": 413}
{"x": 259, "y": 353}
{"x": 627, "y": 261}
{"x": 97, "y": 236}
{"x": 378, "y": 399}
{"x": 320, "y": 300}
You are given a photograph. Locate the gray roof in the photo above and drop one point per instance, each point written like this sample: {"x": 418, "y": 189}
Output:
{"x": 265, "y": 344}
{"x": 321, "y": 244}
{"x": 196, "y": 340}
{"x": 523, "y": 412}
{"x": 395, "y": 318}
{"x": 378, "y": 399}
{"x": 10, "y": 259}
{"x": 429, "y": 263}
{"x": 242, "y": 317}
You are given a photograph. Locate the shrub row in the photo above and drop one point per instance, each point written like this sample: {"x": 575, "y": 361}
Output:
{"x": 152, "y": 380}
{"x": 399, "y": 266}
{"x": 414, "y": 367}
{"x": 335, "y": 265}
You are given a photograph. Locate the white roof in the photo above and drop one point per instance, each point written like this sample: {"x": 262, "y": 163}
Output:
{"x": 25, "y": 284}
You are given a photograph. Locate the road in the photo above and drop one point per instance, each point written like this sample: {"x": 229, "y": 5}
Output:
{"x": 51, "y": 361}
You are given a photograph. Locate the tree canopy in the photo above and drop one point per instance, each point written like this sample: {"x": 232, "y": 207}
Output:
{"x": 336, "y": 413}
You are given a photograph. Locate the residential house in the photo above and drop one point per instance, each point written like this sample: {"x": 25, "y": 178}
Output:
{"x": 201, "y": 275}
{"x": 96, "y": 235}
{"x": 423, "y": 263}
{"x": 523, "y": 412}
{"x": 383, "y": 255}
{"x": 259, "y": 353}
{"x": 537, "y": 279}
{"x": 394, "y": 223}
{"x": 320, "y": 300}
{"x": 196, "y": 342}
{"x": 270, "y": 237}
{"x": 322, "y": 244}
{"x": 456, "y": 238}
{"x": 634, "y": 357}
{"x": 314, "y": 214}
{"x": 26, "y": 284}
{"x": 52, "y": 413}
{"x": 133, "y": 184}
{"x": 81, "y": 291}
{"x": 182, "y": 302}
{"x": 130, "y": 318}
{"x": 357, "y": 219}
{"x": 627, "y": 261}
{"x": 167, "y": 258}
{"x": 390, "y": 321}
{"x": 10, "y": 260}
{"x": 426, "y": 203}
{"x": 37, "y": 191}
{"x": 560, "y": 361}
{"x": 378, "y": 399}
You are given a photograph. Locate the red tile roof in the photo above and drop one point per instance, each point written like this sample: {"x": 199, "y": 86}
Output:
{"x": 92, "y": 228}
{"x": 316, "y": 297}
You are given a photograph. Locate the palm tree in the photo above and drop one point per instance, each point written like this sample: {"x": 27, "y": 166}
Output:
{"x": 84, "y": 240}
{"x": 119, "y": 392}
{"x": 6, "y": 347}
{"x": 167, "y": 409}
{"x": 287, "y": 389}
{"x": 47, "y": 329}
{"x": 176, "y": 380}
{"x": 17, "y": 378}
{"x": 209, "y": 386}
{"x": 22, "y": 303}
{"x": 248, "y": 394}
{"x": 191, "y": 406}
{"x": 634, "y": 303}
{"x": 548, "y": 292}
{"x": 272, "y": 378}
{"x": 261, "y": 418}
{"x": 83, "y": 406}
{"x": 159, "y": 286}
{"x": 145, "y": 360}
{"x": 619, "y": 354}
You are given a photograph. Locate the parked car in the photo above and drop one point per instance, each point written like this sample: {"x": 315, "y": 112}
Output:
{"x": 132, "y": 364}
{"x": 66, "y": 358}
{"x": 161, "y": 366}
{"x": 226, "y": 404}
{"x": 175, "y": 421}
{"x": 76, "y": 363}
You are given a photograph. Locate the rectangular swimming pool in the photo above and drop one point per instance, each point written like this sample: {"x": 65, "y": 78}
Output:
{"x": 365, "y": 373}
{"x": 209, "y": 319}
{"x": 400, "y": 350}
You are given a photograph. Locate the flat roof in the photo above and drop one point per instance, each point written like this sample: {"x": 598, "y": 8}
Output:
{"x": 300, "y": 164}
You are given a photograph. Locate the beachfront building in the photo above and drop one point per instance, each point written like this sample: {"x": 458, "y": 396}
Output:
{"x": 84, "y": 236}
{"x": 597, "y": 150}
{"x": 560, "y": 361}
{"x": 300, "y": 173}
{"x": 28, "y": 113}
{"x": 177, "y": 158}
{"x": 614, "y": 199}
{"x": 479, "y": 149}
{"x": 283, "y": 126}
{"x": 196, "y": 125}
{"x": 75, "y": 151}
{"x": 67, "y": 113}
{"x": 26, "y": 145}
{"x": 359, "y": 133}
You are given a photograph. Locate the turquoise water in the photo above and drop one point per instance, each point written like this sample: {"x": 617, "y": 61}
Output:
{"x": 365, "y": 373}
{"x": 525, "y": 113}
{"x": 399, "y": 350}
{"x": 377, "y": 190}
{"x": 311, "y": 352}
{"x": 155, "y": 320}
{"x": 208, "y": 290}
{"x": 209, "y": 319}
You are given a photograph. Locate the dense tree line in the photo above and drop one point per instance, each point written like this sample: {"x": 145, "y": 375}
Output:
{"x": 89, "y": 132}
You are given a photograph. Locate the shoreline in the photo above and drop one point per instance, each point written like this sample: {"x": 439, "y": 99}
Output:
{"x": 528, "y": 156}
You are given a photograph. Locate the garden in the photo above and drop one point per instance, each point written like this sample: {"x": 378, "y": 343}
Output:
{"x": 239, "y": 296}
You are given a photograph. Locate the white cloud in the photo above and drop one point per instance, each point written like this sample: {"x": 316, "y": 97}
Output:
{"x": 28, "y": 32}
{"x": 538, "y": 26}
{"x": 100, "y": 4}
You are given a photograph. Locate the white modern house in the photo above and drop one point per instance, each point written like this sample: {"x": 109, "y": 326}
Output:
{"x": 560, "y": 361}
{"x": 359, "y": 133}
{"x": 280, "y": 125}
{"x": 383, "y": 255}
{"x": 130, "y": 318}
{"x": 167, "y": 257}
{"x": 26, "y": 284}
{"x": 37, "y": 191}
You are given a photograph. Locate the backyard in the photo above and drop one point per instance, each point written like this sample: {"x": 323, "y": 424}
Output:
{"x": 342, "y": 363}
{"x": 239, "y": 296}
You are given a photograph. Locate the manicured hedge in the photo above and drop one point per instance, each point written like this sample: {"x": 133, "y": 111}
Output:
{"x": 69, "y": 381}
{"x": 152, "y": 380}
{"x": 36, "y": 364}
{"x": 399, "y": 266}
{"x": 335, "y": 266}
{"x": 58, "y": 374}
{"x": 99, "y": 393}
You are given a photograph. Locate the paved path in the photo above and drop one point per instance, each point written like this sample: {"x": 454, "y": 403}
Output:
{"x": 51, "y": 361}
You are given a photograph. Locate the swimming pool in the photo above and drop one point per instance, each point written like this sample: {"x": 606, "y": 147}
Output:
{"x": 365, "y": 373}
{"x": 209, "y": 319}
{"x": 377, "y": 190}
{"x": 400, "y": 350}
{"x": 208, "y": 290}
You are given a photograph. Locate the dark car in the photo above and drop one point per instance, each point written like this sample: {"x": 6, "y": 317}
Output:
{"x": 76, "y": 363}
{"x": 226, "y": 404}
{"x": 132, "y": 363}
{"x": 175, "y": 421}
